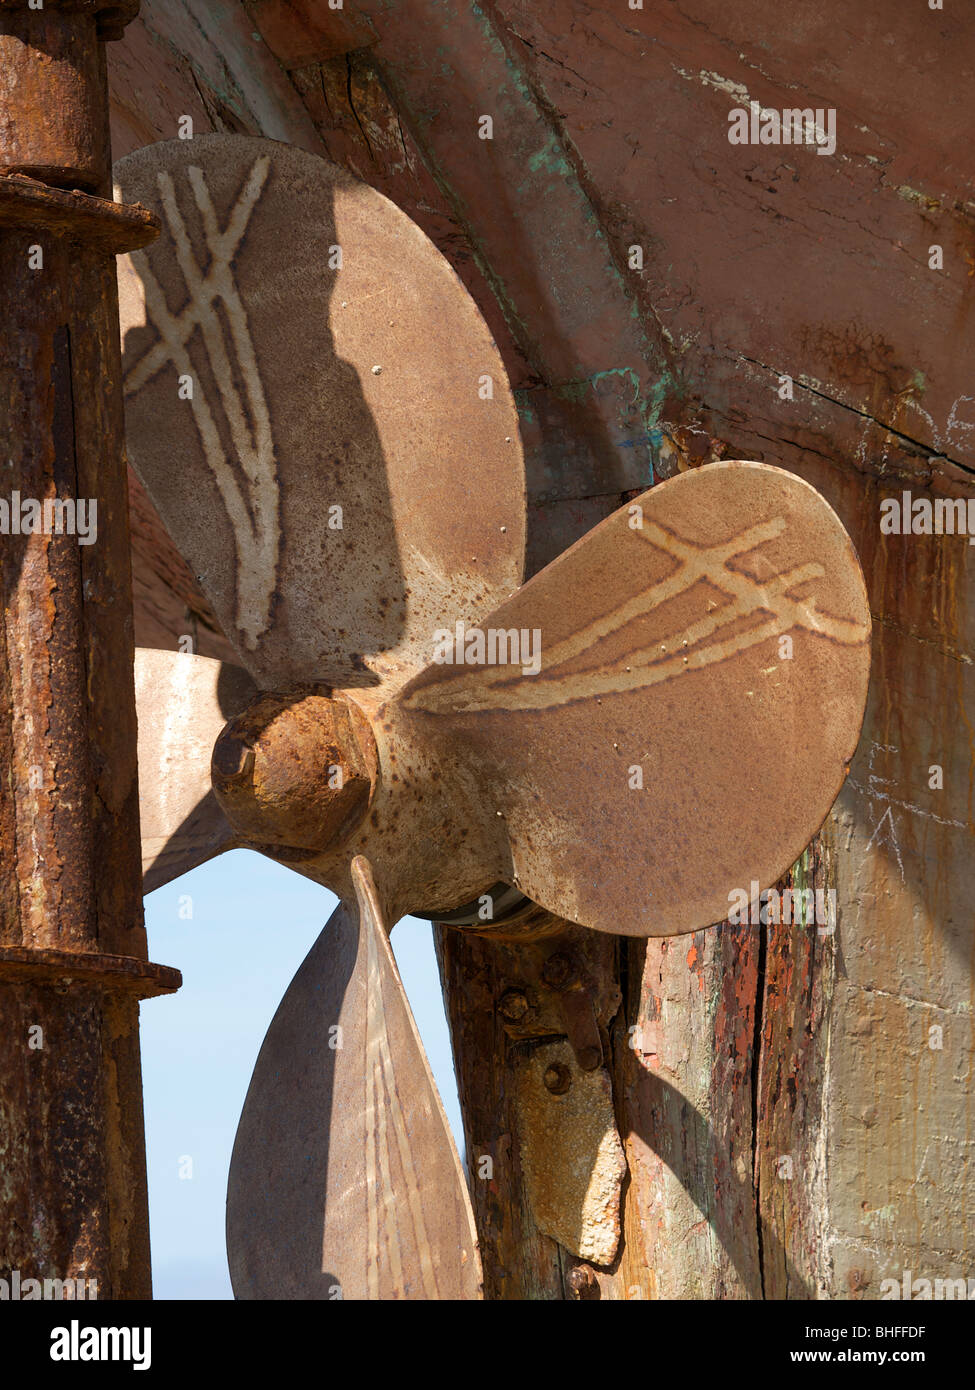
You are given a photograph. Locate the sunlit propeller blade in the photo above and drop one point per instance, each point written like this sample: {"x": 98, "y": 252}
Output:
{"x": 687, "y": 689}
{"x": 344, "y": 1181}
{"x": 183, "y": 702}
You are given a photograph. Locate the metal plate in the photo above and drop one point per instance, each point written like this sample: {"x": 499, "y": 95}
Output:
{"x": 571, "y": 1155}
{"x": 345, "y": 1182}
{"x": 702, "y": 681}
{"x": 315, "y": 387}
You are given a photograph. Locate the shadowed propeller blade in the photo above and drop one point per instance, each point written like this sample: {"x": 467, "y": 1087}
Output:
{"x": 344, "y": 1180}
{"x": 703, "y": 658}
{"x": 306, "y": 384}
{"x": 183, "y": 702}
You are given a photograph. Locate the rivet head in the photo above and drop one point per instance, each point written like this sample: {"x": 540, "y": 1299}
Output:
{"x": 513, "y": 1005}
{"x": 557, "y": 1078}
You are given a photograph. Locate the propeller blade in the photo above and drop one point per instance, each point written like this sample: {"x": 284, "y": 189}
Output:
{"x": 306, "y": 383}
{"x": 344, "y": 1181}
{"x": 183, "y": 702}
{"x": 703, "y": 658}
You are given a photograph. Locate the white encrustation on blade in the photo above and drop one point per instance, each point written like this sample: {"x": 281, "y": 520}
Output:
{"x": 306, "y": 384}
{"x": 661, "y": 719}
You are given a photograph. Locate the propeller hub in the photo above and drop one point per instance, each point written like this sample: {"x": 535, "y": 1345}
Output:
{"x": 295, "y": 771}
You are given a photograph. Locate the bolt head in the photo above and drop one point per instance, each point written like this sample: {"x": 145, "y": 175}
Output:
{"x": 557, "y": 1078}
{"x": 583, "y": 1283}
{"x": 558, "y": 972}
{"x": 513, "y": 1005}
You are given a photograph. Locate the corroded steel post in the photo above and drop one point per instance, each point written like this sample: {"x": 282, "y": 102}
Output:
{"x": 73, "y": 960}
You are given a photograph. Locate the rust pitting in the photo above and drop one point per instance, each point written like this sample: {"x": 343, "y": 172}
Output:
{"x": 73, "y": 955}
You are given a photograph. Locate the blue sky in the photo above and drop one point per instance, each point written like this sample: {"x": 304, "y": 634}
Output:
{"x": 251, "y": 926}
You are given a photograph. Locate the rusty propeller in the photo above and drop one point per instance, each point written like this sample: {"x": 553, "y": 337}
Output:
{"x": 688, "y": 680}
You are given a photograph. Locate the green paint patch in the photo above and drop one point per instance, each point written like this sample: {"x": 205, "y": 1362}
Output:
{"x": 551, "y": 160}
{"x": 525, "y": 412}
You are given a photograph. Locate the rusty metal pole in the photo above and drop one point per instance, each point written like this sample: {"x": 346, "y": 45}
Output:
{"x": 73, "y": 958}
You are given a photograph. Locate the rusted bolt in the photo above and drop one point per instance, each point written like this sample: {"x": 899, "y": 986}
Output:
{"x": 233, "y": 759}
{"x": 513, "y": 1005}
{"x": 557, "y": 1078}
{"x": 583, "y": 1283}
{"x": 559, "y": 972}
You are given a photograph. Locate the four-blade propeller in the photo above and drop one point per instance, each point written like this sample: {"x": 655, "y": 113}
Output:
{"x": 661, "y": 717}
